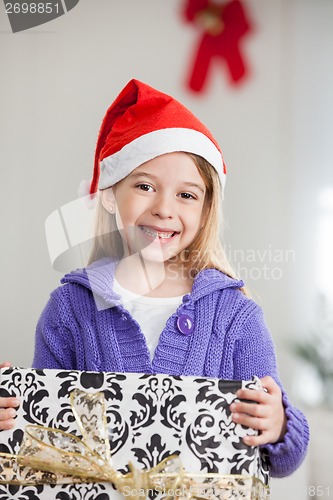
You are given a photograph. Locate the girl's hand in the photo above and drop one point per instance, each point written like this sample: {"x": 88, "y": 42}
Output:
{"x": 266, "y": 414}
{"x": 7, "y": 405}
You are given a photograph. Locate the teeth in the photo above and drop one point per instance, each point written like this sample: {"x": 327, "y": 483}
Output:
{"x": 156, "y": 234}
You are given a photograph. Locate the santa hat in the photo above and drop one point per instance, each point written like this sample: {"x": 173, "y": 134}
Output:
{"x": 143, "y": 123}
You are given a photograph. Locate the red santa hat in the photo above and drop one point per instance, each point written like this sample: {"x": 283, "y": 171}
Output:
{"x": 143, "y": 123}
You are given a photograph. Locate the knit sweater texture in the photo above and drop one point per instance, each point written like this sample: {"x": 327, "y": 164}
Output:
{"x": 84, "y": 327}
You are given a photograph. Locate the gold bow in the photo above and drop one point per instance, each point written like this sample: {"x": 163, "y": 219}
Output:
{"x": 51, "y": 456}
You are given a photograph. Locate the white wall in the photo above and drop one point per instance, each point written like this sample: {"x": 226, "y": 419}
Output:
{"x": 275, "y": 130}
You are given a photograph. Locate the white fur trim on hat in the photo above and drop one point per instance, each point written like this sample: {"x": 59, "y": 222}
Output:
{"x": 149, "y": 146}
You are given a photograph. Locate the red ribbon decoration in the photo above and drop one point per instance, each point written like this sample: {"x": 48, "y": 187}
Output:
{"x": 223, "y": 25}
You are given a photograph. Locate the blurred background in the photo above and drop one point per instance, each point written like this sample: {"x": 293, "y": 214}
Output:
{"x": 275, "y": 127}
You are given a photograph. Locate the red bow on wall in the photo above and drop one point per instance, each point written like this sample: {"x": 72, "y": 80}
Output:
{"x": 223, "y": 24}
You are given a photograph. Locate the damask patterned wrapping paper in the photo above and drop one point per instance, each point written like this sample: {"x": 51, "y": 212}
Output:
{"x": 148, "y": 418}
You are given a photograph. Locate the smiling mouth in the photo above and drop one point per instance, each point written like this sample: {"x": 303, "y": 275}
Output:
{"x": 152, "y": 233}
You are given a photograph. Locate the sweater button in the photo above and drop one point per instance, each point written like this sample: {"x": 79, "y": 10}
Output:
{"x": 185, "y": 324}
{"x": 186, "y": 298}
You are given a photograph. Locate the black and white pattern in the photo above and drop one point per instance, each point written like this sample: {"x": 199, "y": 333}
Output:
{"x": 149, "y": 417}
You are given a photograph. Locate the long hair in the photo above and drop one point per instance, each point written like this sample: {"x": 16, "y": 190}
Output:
{"x": 206, "y": 250}
{"x": 107, "y": 240}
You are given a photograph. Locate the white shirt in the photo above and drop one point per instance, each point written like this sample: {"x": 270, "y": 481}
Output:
{"x": 150, "y": 312}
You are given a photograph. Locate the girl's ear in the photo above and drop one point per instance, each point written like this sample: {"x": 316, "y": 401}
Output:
{"x": 108, "y": 200}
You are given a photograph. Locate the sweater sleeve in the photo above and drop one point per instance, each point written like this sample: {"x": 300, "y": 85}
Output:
{"x": 53, "y": 339}
{"x": 254, "y": 354}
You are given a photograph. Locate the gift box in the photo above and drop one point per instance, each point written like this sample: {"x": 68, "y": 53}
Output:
{"x": 105, "y": 436}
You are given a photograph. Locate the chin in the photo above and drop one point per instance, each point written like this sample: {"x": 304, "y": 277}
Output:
{"x": 154, "y": 257}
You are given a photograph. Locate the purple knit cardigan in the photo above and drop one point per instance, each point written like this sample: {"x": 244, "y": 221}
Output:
{"x": 83, "y": 327}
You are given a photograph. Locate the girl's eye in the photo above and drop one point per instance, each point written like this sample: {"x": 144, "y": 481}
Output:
{"x": 187, "y": 196}
{"x": 144, "y": 187}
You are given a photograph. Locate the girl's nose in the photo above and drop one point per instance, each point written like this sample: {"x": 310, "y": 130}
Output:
{"x": 162, "y": 207}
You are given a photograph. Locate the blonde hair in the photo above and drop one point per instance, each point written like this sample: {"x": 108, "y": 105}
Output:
{"x": 206, "y": 250}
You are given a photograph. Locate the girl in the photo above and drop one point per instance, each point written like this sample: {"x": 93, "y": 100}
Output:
{"x": 157, "y": 265}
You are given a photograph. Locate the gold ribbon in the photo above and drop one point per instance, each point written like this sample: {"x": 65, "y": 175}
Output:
{"x": 51, "y": 456}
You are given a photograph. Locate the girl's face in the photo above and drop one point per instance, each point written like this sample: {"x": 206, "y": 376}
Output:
{"x": 159, "y": 206}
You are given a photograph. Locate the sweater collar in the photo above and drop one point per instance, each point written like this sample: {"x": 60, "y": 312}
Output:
{"x": 99, "y": 276}
{"x": 211, "y": 280}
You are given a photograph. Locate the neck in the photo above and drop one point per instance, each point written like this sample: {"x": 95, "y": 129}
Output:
{"x": 153, "y": 279}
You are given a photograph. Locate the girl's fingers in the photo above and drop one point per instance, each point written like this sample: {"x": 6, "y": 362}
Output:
{"x": 253, "y": 395}
{"x": 262, "y": 411}
{"x": 9, "y": 403}
{"x": 258, "y": 440}
{"x": 270, "y": 385}
{"x": 258, "y": 424}
{"x": 5, "y": 364}
{"x": 7, "y": 414}
{"x": 254, "y": 409}
{"x": 5, "y": 425}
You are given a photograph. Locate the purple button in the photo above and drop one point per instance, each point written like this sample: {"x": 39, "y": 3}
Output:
{"x": 185, "y": 324}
